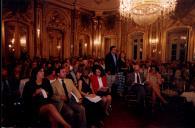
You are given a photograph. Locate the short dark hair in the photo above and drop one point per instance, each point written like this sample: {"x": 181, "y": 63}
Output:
{"x": 34, "y": 73}
{"x": 112, "y": 47}
{"x": 58, "y": 69}
{"x": 156, "y": 68}
{"x": 50, "y": 70}
{"x": 95, "y": 67}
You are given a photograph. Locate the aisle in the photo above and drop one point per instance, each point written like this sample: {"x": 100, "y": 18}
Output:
{"x": 122, "y": 117}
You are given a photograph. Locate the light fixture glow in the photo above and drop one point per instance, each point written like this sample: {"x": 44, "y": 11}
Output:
{"x": 145, "y": 12}
{"x": 38, "y": 32}
{"x": 23, "y": 41}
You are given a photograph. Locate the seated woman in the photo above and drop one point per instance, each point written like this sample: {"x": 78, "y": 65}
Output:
{"x": 92, "y": 102}
{"x": 100, "y": 88}
{"x": 37, "y": 93}
{"x": 154, "y": 81}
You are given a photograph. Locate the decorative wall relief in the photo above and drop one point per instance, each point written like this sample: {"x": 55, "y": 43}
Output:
{"x": 55, "y": 38}
{"x": 98, "y": 1}
{"x": 57, "y": 21}
{"x": 110, "y": 22}
{"x": 85, "y": 20}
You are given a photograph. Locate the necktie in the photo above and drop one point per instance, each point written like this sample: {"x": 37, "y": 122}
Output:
{"x": 65, "y": 90}
{"x": 138, "y": 80}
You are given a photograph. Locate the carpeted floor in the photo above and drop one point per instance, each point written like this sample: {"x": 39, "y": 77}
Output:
{"x": 174, "y": 115}
{"x": 170, "y": 116}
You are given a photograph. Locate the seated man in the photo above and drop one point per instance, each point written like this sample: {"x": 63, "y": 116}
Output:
{"x": 64, "y": 89}
{"x": 135, "y": 82}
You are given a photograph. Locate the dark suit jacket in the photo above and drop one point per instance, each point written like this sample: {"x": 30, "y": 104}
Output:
{"x": 32, "y": 103}
{"x": 110, "y": 64}
{"x": 130, "y": 78}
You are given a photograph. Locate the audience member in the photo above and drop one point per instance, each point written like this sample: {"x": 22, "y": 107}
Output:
{"x": 100, "y": 87}
{"x": 64, "y": 94}
{"x": 37, "y": 98}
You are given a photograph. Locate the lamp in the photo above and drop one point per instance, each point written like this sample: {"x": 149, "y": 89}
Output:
{"x": 38, "y": 32}
{"x": 153, "y": 41}
{"x": 23, "y": 41}
{"x": 59, "y": 47}
{"x": 145, "y": 12}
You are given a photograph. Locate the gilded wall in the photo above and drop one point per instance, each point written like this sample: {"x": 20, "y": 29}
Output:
{"x": 50, "y": 29}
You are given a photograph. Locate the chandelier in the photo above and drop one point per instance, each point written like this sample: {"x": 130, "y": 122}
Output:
{"x": 145, "y": 12}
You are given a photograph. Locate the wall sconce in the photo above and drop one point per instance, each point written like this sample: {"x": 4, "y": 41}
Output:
{"x": 96, "y": 42}
{"x": 23, "y": 41}
{"x": 153, "y": 41}
{"x": 12, "y": 40}
{"x": 38, "y": 32}
{"x": 154, "y": 50}
{"x": 85, "y": 44}
{"x": 9, "y": 45}
{"x": 183, "y": 37}
{"x": 58, "y": 47}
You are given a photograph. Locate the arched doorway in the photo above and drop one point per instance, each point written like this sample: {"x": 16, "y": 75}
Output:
{"x": 16, "y": 40}
{"x": 108, "y": 42}
{"x": 55, "y": 42}
{"x": 83, "y": 45}
{"x": 136, "y": 46}
{"x": 177, "y": 43}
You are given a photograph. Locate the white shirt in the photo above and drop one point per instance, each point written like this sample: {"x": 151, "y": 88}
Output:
{"x": 100, "y": 82}
{"x": 51, "y": 81}
{"x": 114, "y": 57}
{"x": 136, "y": 78}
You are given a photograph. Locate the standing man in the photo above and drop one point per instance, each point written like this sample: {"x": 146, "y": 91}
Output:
{"x": 111, "y": 66}
{"x": 64, "y": 91}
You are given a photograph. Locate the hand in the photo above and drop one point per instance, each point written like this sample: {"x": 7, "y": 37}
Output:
{"x": 80, "y": 101}
{"x": 62, "y": 97}
{"x": 104, "y": 89}
{"x": 92, "y": 95}
{"x": 90, "y": 74}
{"x": 37, "y": 92}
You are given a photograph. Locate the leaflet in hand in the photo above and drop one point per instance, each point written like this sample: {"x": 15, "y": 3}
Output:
{"x": 75, "y": 97}
{"x": 94, "y": 99}
{"x": 44, "y": 93}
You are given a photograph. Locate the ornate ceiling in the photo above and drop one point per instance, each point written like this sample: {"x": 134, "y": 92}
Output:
{"x": 96, "y": 5}
{"x": 109, "y": 6}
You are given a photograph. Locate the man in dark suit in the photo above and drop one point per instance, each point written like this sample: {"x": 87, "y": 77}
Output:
{"x": 111, "y": 66}
{"x": 111, "y": 61}
{"x": 135, "y": 82}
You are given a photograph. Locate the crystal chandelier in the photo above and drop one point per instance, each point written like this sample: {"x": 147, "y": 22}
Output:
{"x": 145, "y": 12}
